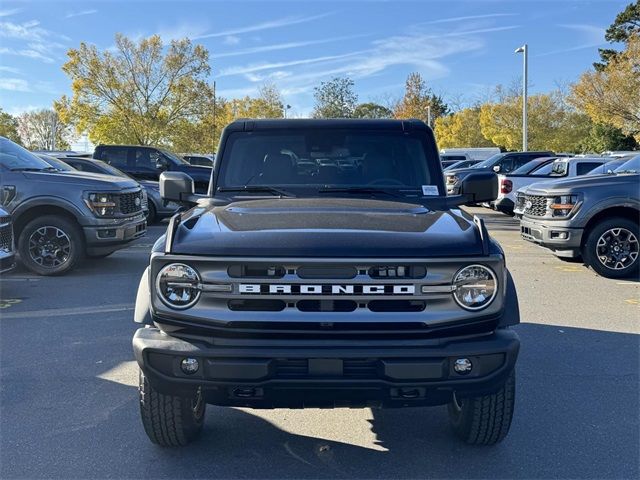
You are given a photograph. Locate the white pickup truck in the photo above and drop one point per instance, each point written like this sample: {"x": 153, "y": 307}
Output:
{"x": 547, "y": 168}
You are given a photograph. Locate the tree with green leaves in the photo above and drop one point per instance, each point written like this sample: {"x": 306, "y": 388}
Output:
{"x": 372, "y": 110}
{"x": 626, "y": 24}
{"x": 335, "y": 98}
{"x": 419, "y": 99}
{"x": 138, "y": 93}
{"x": 9, "y": 126}
{"x": 43, "y": 130}
{"x": 603, "y": 137}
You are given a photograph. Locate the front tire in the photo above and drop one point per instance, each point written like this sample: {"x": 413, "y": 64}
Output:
{"x": 612, "y": 248}
{"x": 151, "y": 213}
{"x": 51, "y": 245}
{"x": 484, "y": 420}
{"x": 170, "y": 420}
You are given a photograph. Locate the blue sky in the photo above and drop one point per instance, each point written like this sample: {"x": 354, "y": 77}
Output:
{"x": 463, "y": 48}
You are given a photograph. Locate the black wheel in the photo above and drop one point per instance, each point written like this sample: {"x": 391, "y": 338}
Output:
{"x": 169, "y": 420}
{"x": 484, "y": 420}
{"x": 612, "y": 248}
{"x": 151, "y": 213}
{"x": 51, "y": 245}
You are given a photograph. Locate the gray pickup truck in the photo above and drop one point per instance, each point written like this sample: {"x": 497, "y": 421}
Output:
{"x": 61, "y": 216}
{"x": 595, "y": 217}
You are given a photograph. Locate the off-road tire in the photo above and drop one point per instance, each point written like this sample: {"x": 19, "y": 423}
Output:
{"x": 589, "y": 248}
{"x": 170, "y": 420}
{"x": 484, "y": 420}
{"x": 73, "y": 233}
{"x": 151, "y": 213}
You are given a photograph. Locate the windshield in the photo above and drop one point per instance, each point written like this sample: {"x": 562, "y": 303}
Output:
{"x": 489, "y": 161}
{"x": 318, "y": 158}
{"x": 174, "y": 157}
{"x": 15, "y": 157}
{"x": 530, "y": 167}
{"x": 608, "y": 167}
{"x": 631, "y": 166}
{"x": 55, "y": 163}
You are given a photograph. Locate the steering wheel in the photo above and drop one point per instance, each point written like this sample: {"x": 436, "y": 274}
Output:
{"x": 384, "y": 181}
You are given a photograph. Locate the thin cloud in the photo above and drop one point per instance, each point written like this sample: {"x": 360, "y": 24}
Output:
{"x": 26, "y": 52}
{"x": 468, "y": 17}
{"x": 592, "y": 35}
{"x": 15, "y": 71}
{"x": 270, "y": 66}
{"x": 282, "y": 22}
{"x": 14, "y": 85}
{"x": 231, "y": 40}
{"x": 81, "y": 13}
{"x": 285, "y": 46}
{"x": 8, "y": 13}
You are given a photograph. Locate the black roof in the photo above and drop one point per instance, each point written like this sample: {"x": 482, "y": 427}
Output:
{"x": 248, "y": 124}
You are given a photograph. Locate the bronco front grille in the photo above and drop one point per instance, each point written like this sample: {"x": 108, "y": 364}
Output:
{"x": 130, "y": 202}
{"x": 6, "y": 234}
{"x": 535, "y": 205}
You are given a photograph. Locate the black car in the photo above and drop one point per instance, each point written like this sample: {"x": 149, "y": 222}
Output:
{"x": 147, "y": 163}
{"x": 157, "y": 209}
{"x": 59, "y": 217}
{"x": 355, "y": 283}
{"x": 499, "y": 163}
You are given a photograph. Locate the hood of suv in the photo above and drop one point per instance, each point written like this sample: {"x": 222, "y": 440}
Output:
{"x": 331, "y": 227}
{"x": 82, "y": 180}
{"x": 198, "y": 173}
{"x": 576, "y": 184}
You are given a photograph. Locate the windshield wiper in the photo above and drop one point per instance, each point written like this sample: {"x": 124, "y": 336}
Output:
{"x": 257, "y": 189}
{"x": 360, "y": 190}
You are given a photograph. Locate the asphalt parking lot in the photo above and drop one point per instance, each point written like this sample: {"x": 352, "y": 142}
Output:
{"x": 69, "y": 405}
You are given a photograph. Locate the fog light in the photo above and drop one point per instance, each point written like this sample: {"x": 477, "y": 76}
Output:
{"x": 462, "y": 366}
{"x": 189, "y": 365}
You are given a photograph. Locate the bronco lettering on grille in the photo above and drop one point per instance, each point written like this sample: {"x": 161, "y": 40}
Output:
{"x": 297, "y": 289}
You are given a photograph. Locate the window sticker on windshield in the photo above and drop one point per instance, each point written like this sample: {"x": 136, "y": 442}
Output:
{"x": 429, "y": 190}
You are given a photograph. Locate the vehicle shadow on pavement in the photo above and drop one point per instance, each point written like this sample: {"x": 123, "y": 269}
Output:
{"x": 576, "y": 417}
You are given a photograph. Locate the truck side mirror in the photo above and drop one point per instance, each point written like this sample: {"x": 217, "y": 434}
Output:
{"x": 480, "y": 187}
{"x": 177, "y": 187}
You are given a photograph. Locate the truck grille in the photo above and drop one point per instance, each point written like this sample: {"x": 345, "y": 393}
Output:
{"x": 131, "y": 202}
{"x": 538, "y": 206}
{"x": 6, "y": 234}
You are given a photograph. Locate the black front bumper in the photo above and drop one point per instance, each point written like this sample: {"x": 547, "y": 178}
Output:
{"x": 7, "y": 261}
{"x": 263, "y": 374}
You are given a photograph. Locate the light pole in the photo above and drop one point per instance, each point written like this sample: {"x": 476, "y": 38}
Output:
{"x": 524, "y": 50}
{"x": 286, "y": 108}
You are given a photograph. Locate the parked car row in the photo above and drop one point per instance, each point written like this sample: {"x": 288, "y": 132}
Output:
{"x": 62, "y": 206}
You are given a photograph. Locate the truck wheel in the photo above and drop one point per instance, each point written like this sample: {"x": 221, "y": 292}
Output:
{"x": 50, "y": 245}
{"x": 484, "y": 420}
{"x": 151, "y": 213}
{"x": 169, "y": 420}
{"x": 612, "y": 248}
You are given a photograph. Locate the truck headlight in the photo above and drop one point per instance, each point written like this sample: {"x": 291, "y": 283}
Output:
{"x": 178, "y": 286}
{"x": 474, "y": 287}
{"x": 101, "y": 204}
{"x": 563, "y": 205}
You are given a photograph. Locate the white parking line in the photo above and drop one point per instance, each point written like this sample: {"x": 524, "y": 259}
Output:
{"x": 65, "y": 312}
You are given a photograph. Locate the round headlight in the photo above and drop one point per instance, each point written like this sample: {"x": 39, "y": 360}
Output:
{"x": 178, "y": 285}
{"x": 475, "y": 287}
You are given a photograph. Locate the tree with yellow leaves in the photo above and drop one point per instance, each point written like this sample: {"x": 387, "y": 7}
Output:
{"x": 612, "y": 95}
{"x": 461, "y": 129}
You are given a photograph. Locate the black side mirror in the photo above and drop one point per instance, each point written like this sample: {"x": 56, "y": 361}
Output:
{"x": 162, "y": 163}
{"x": 177, "y": 187}
{"x": 480, "y": 187}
